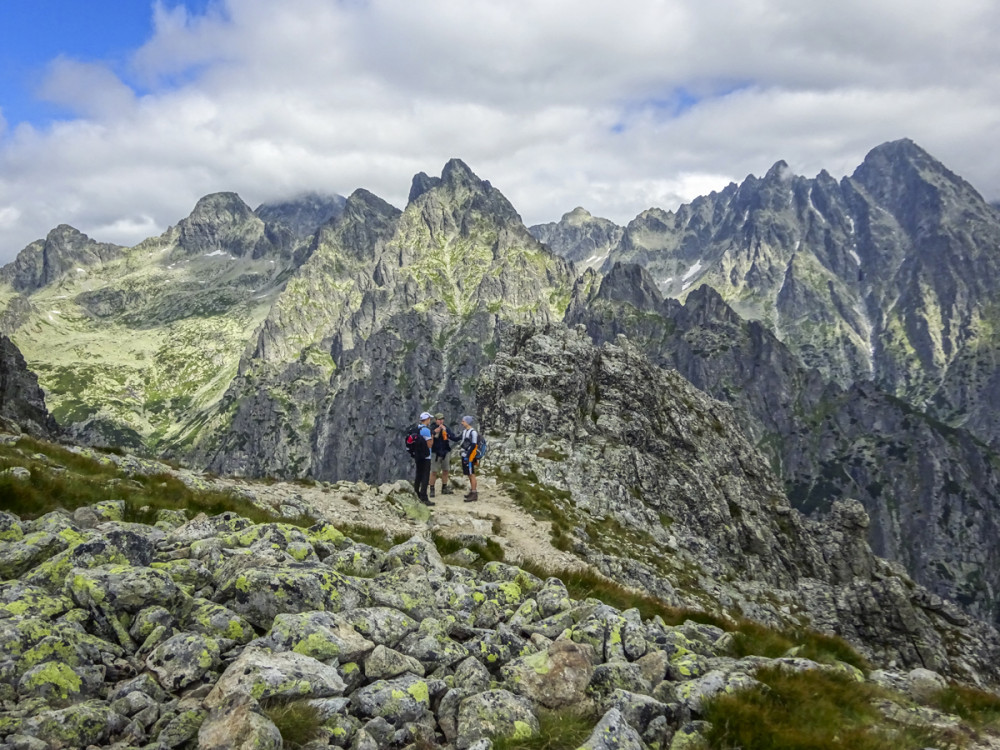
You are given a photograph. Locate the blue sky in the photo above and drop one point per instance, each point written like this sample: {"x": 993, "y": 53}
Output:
{"x": 116, "y": 117}
{"x": 35, "y": 32}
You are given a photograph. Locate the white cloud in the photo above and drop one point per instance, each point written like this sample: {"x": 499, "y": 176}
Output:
{"x": 615, "y": 107}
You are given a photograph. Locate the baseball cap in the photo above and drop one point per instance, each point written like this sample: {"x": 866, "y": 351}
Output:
{"x": 439, "y": 415}
{"x": 425, "y": 415}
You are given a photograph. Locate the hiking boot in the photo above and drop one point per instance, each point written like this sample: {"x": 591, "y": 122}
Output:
{"x": 472, "y": 497}
{"x": 427, "y": 501}
{"x": 445, "y": 489}
{"x": 432, "y": 492}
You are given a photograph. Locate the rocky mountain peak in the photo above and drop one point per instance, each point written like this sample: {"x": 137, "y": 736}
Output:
{"x": 422, "y": 182}
{"x": 779, "y": 172}
{"x": 223, "y": 224}
{"x": 631, "y": 283}
{"x": 63, "y": 249}
{"x": 578, "y": 215}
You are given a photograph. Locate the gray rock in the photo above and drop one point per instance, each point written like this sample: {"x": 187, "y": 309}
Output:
{"x": 383, "y": 663}
{"x": 184, "y": 659}
{"x": 494, "y": 713}
{"x": 399, "y": 701}
{"x": 613, "y": 732}
{"x": 261, "y": 674}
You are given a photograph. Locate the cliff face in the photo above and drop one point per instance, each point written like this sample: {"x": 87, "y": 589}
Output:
{"x": 22, "y": 403}
{"x": 653, "y": 482}
{"x": 932, "y": 491}
{"x": 394, "y": 313}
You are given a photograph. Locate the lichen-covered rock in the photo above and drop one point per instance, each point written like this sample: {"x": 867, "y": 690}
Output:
{"x": 693, "y": 693}
{"x": 18, "y": 599}
{"x": 17, "y": 556}
{"x": 554, "y": 678}
{"x": 357, "y": 560}
{"x": 617, "y": 675}
{"x": 217, "y": 621}
{"x": 260, "y": 674}
{"x": 385, "y": 663}
{"x": 408, "y": 589}
{"x": 260, "y": 594}
{"x": 613, "y": 732}
{"x": 123, "y": 588}
{"x": 60, "y": 684}
{"x": 431, "y": 646}
{"x": 184, "y": 659}
{"x": 640, "y": 711}
{"x": 76, "y": 726}
{"x": 416, "y": 551}
{"x": 471, "y": 676}
{"x": 399, "y": 701}
{"x": 321, "y": 635}
{"x": 495, "y": 713}
{"x": 238, "y": 725}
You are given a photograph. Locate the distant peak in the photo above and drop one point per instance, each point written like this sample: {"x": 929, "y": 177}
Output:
{"x": 577, "y": 216}
{"x": 225, "y": 201}
{"x": 779, "y": 172}
{"x": 457, "y": 172}
{"x": 422, "y": 182}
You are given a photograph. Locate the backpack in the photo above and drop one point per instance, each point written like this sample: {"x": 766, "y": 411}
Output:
{"x": 414, "y": 441}
{"x": 482, "y": 448}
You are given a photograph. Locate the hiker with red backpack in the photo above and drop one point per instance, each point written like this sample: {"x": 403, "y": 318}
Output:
{"x": 418, "y": 443}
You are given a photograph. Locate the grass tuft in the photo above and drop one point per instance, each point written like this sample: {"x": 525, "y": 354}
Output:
{"x": 298, "y": 721}
{"x": 565, "y": 729}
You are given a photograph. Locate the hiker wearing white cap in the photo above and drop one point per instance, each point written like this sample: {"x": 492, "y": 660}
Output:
{"x": 418, "y": 443}
{"x": 470, "y": 456}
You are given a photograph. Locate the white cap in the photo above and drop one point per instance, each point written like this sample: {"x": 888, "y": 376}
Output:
{"x": 425, "y": 415}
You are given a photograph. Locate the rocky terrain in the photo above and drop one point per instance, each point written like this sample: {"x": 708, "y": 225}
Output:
{"x": 128, "y": 626}
{"x": 916, "y": 477}
{"x": 22, "y": 403}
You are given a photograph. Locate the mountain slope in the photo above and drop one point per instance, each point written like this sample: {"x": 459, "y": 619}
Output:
{"x": 132, "y": 343}
{"x": 394, "y": 313}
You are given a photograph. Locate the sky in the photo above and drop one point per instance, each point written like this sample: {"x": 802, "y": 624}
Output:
{"x": 116, "y": 116}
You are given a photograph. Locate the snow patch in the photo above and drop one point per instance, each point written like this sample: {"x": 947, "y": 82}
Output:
{"x": 691, "y": 271}
{"x": 857, "y": 258}
{"x": 664, "y": 282}
{"x": 80, "y": 270}
{"x": 219, "y": 252}
{"x": 685, "y": 287}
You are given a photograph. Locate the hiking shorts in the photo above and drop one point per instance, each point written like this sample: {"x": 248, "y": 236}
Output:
{"x": 440, "y": 463}
{"x": 469, "y": 468}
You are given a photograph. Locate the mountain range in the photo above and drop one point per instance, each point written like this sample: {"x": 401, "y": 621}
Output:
{"x": 848, "y": 324}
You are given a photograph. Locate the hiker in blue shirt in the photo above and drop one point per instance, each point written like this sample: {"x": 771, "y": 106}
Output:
{"x": 422, "y": 459}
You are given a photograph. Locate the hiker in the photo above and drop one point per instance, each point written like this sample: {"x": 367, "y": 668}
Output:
{"x": 440, "y": 457}
{"x": 470, "y": 456}
{"x": 422, "y": 459}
